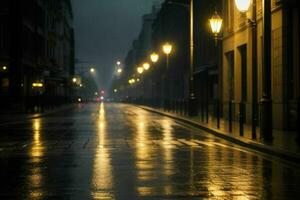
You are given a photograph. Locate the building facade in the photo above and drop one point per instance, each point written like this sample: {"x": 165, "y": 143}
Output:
{"x": 37, "y": 46}
{"x": 243, "y": 61}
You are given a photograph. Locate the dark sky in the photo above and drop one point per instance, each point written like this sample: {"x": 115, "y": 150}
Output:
{"x": 105, "y": 29}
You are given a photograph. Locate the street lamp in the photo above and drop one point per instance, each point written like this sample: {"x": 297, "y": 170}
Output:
{"x": 74, "y": 80}
{"x": 266, "y": 101}
{"x": 193, "y": 111}
{"x": 118, "y": 63}
{"x": 119, "y": 70}
{"x": 154, "y": 57}
{"x": 92, "y": 70}
{"x": 146, "y": 66}
{"x": 216, "y": 24}
{"x": 243, "y": 5}
{"x": 140, "y": 70}
{"x": 37, "y": 85}
{"x": 167, "y": 48}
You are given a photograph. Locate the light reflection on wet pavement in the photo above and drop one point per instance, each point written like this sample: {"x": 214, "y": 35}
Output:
{"x": 117, "y": 151}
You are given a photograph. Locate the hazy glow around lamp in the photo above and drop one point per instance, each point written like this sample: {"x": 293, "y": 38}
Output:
{"x": 154, "y": 57}
{"x": 140, "y": 70}
{"x": 243, "y": 5}
{"x": 216, "y": 24}
{"x": 167, "y": 48}
{"x": 146, "y": 66}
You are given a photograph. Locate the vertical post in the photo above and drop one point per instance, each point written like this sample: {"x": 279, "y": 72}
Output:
{"x": 230, "y": 115}
{"x": 218, "y": 113}
{"x": 254, "y": 70}
{"x": 298, "y": 120}
{"x": 298, "y": 102}
{"x": 192, "y": 105}
{"x": 207, "y": 99}
{"x": 241, "y": 118}
{"x": 166, "y": 94}
{"x": 266, "y": 101}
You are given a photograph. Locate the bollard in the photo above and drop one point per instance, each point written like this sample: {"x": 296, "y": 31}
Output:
{"x": 218, "y": 114}
{"x": 202, "y": 110}
{"x": 207, "y": 111}
{"x": 230, "y": 115}
{"x": 298, "y": 121}
{"x": 254, "y": 120}
{"x": 241, "y": 118}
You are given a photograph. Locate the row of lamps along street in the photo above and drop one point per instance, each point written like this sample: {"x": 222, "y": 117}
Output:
{"x": 216, "y": 25}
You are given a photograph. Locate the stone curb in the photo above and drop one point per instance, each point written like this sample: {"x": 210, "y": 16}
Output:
{"x": 250, "y": 144}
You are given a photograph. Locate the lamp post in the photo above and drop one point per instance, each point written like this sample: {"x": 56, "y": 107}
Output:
{"x": 216, "y": 23}
{"x": 266, "y": 101}
{"x": 193, "y": 110}
{"x": 154, "y": 57}
{"x": 167, "y": 49}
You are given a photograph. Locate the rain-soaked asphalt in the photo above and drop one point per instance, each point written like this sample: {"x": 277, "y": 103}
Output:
{"x": 115, "y": 151}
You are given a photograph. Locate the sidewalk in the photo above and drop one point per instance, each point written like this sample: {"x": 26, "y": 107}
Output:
{"x": 283, "y": 146}
{"x": 6, "y": 118}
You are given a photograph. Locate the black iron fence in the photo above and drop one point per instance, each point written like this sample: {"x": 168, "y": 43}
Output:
{"x": 229, "y": 116}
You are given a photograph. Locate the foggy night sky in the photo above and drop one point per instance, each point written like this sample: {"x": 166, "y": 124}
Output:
{"x": 104, "y": 31}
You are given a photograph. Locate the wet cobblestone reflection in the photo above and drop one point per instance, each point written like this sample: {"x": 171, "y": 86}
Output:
{"x": 115, "y": 151}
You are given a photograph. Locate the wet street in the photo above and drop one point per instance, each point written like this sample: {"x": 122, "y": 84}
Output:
{"x": 117, "y": 151}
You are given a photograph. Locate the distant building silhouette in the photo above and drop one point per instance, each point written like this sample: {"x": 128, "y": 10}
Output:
{"x": 36, "y": 45}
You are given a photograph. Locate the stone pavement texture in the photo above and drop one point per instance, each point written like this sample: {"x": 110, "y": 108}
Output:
{"x": 118, "y": 151}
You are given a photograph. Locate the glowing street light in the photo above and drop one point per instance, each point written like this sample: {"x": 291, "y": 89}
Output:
{"x": 119, "y": 70}
{"x": 243, "y": 5}
{"x": 4, "y": 68}
{"x": 154, "y": 57}
{"x": 146, "y": 66}
{"x": 37, "y": 85}
{"x": 167, "y": 48}
{"x": 131, "y": 81}
{"x": 216, "y": 24}
{"x": 140, "y": 70}
{"x": 92, "y": 70}
{"x": 118, "y": 63}
{"x": 74, "y": 80}
{"x": 115, "y": 90}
